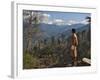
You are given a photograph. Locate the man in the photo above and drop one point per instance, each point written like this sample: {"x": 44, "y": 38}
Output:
{"x": 74, "y": 44}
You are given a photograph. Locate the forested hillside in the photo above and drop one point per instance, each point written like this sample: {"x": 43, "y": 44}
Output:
{"x": 55, "y": 51}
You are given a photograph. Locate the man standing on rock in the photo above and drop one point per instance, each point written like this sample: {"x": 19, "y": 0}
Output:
{"x": 74, "y": 44}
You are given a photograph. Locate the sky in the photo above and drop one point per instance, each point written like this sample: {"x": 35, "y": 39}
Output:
{"x": 63, "y": 18}
{"x": 67, "y": 15}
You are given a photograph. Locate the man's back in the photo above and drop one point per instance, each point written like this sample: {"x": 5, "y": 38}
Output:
{"x": 74, "y": 39}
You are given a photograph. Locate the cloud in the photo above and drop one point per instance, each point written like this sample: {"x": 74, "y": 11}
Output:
{"x": 70, "y": 22}
{"x": 58, "y": 21}
{"x": 84, "y": 22}
{"x": 46, "y": 15}
{"x": 50, "y": 22}
{"x": 42, "y": 17}
{"x": 45, "y": 18}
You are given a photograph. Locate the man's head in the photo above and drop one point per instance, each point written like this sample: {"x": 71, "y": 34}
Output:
{"x": 73, "y": 30}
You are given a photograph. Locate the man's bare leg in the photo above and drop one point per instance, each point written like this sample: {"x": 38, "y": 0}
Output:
{"x": 75, "y": 61}
{"x": 72, "y": 55}
{"x": 75, "y": 57}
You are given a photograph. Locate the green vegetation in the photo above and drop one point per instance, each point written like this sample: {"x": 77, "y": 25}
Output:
{"x": 29, "y": 61}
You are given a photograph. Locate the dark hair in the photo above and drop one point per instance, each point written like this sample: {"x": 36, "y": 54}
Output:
{"x": 73, "y": 30}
